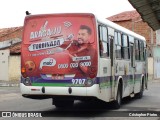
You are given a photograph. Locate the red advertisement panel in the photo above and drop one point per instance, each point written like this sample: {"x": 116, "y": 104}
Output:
{"x": 60, "y": 47}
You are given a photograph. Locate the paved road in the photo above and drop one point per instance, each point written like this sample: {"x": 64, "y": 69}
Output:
{"x": 11, "y": 100}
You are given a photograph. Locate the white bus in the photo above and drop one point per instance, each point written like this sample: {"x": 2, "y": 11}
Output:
{"x": 76, "y": 56}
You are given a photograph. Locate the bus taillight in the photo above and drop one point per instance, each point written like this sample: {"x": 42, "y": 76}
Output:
{"x": 23, "y": 71}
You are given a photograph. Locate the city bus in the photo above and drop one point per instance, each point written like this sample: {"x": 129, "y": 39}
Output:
{"x": 78, "y": 56}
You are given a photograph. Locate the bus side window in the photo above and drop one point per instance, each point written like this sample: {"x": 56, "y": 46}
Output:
{"x": 142, "y": 50}
{"x": 137, "y": 50}
{"x": 118, "y": 45}
{"x": 145, "y": 51}
{"x": 103, "y": 41}
{"x": 111, "y": 39}
{"x": 125, "y": 47}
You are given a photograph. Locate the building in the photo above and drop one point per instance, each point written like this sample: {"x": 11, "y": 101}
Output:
{"x": 133, "y": 21}
{"x": 10, "y": 44}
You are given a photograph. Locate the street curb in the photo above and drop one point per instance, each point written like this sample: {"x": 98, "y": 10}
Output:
{"x": 8, "y": 85}
{"x": 5, "y": 84}
{"x": 154, "y": 81}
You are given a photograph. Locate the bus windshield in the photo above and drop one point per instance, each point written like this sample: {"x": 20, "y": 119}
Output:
{"x": 59, "y": 47}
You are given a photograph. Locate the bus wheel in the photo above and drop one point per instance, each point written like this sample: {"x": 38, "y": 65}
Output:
{"x": 118, "y": 101}
{"x": 140, "y": 94}
{"x": 63, "y": 103}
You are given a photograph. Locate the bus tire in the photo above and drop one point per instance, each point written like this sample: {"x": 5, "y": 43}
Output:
{"x": 63, "y": 103}
{"x": 140, "y": 94}
{"x": 118, "y": 101}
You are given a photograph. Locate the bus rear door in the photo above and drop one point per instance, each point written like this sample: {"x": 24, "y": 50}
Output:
{"x": 132, "y": 53}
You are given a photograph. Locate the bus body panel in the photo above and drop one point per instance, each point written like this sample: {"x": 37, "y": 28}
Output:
{"x": 105, "y": 83}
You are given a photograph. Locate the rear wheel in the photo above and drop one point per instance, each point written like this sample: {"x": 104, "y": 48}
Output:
{"x": 118, "y": 101}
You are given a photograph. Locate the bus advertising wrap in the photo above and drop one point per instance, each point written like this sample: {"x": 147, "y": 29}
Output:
{"x": 59, "y": 50}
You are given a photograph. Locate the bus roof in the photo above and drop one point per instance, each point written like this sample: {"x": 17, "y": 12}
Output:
{"x": 59, "y": 14}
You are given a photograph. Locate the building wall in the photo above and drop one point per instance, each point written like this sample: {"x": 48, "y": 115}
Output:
{"x": 4, "y": 54}
{"x": 140, "y": 27}
{"x": 14, "y": 68}
{"x": 150, "y": 68}
{"x": 156, "y": 59}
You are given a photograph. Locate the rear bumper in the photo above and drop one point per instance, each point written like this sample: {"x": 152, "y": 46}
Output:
{"x": 33, "y": 91}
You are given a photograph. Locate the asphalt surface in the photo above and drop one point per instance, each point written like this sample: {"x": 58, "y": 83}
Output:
{"x": 11, "y": 100}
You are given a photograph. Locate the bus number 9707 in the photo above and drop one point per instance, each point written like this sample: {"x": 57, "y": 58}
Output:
{"x": 78, "y": 81}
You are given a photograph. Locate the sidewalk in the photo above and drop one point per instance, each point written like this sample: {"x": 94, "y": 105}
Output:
{"x": 151, "y": 79}
{"x": 155, "y": 80}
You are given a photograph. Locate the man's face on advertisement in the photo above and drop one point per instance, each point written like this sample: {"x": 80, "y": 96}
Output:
{"x": 83, "y": 36}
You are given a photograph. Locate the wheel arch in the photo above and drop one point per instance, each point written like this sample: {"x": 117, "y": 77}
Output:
{"x": 119, "y": 80}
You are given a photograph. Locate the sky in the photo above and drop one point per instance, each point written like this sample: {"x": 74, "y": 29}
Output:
{"x": 12, "y": 12}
